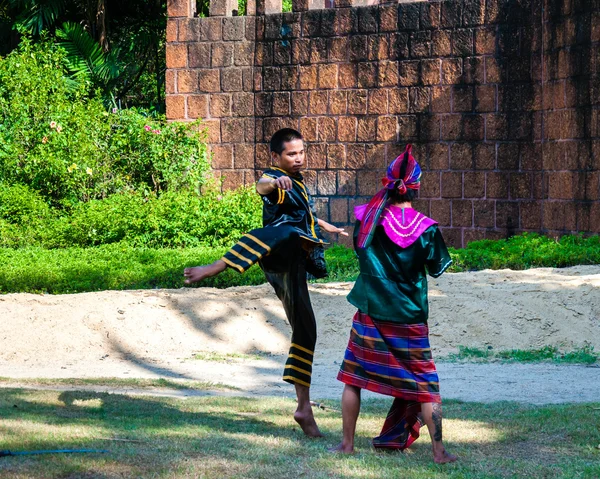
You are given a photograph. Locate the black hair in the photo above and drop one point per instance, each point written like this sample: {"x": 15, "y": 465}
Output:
{"x": 394, "y": 195}
{"x": 283, "y": 136}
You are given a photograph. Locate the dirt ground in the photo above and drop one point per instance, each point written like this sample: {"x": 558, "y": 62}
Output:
{"x": 155, "y": 333}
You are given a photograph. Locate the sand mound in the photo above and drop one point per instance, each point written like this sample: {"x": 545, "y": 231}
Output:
{"x": 96, "y": 333}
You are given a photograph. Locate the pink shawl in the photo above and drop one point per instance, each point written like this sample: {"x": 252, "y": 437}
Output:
{"x": 402, "y": 225}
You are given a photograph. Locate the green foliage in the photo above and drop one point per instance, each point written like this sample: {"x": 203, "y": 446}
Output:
{"x": 465, "y": 352}
{"x": 115, "y": 47}
{"x": 530, "y": 355}
{"x": 34, "y": 15}
{"x": 85, "y": 57}
{"x": 25, "y": 218}
{"x": 342, "y": 264}
{"x": 582, "y": 355}
{"x": 173, "y": 219}
{"x": 109, "y": 267}
{"x": 22, "y": 206}
{"x": 529, "y": 250}
{"x": 69, "y": 148}
{"x": 119, "y": 265}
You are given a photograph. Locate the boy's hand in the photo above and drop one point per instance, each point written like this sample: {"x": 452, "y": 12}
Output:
{"x": 329, "y": 228}
{"x": 267, "y": 184}
{"x": 283, "y": 183}
{"x": 335, "y": 229}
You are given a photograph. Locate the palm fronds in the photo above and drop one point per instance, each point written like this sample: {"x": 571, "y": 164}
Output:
{"x": 37, "y": 15}
{"x": 85, "y": 58}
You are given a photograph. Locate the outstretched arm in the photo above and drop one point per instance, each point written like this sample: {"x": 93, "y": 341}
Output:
{"x": 267, "y": 185}
{"x": 331, "y": 228}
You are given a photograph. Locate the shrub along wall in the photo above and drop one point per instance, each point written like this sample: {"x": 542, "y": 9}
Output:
{"x": 500, "y": 100}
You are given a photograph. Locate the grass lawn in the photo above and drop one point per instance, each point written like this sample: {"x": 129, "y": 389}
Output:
{"x": 121, "y": 383}
{"x": 257, "y": 438}
{"x": 120, "y": 266}
{"x": 583, "y": 355}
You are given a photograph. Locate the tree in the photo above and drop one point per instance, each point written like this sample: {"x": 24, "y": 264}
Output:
{"x": 116, "y": 46}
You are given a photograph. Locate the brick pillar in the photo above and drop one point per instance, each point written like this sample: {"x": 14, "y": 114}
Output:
{"x": 222, "y": 8}
{"x": 181, "y": 8}
{"x": 267, "y": 7}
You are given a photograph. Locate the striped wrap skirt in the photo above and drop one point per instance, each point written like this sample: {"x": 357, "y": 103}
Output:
{"x": 395, "y": 360}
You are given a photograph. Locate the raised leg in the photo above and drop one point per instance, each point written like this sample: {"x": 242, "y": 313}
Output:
{"x": 304, "y": 414}
{"x": 198, "y": 273}
{"x": 350, "y": 412}
{"x": 432, "y": 417}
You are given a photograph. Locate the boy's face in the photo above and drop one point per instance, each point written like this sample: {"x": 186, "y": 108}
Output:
{"x": 291, "y": 158}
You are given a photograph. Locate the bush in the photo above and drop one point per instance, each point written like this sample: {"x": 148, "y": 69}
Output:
{"x": 25, "y": 218}
{"x": 528, "y": 250}
{"x": 21, "y": 206}
{"x": 59, "y": 139}
{"x": 173, "y": 219}
{"x": 108, "y": 267}
{"x": 119, "y": 266}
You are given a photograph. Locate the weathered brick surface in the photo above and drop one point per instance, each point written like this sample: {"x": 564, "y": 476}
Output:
{"x": 197, "y": 106}
{"x": 177, "y": 8}
{"x": 220, "y": 105}
{"x": 502, "y": 106}
{"x": 462, "y": 213}
{"x": 452, "y": 185}
{"x": 338, "y": 209}
{"x": 175, "y": 107}
{"x": 222, "y": 156}
{"x": 187, "y": 81}
{"x": 176, "y": 55}
{"x": 484, "y": 213}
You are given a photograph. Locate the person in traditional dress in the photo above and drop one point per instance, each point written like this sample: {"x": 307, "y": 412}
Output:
{"x": 288, "y": 247}
{"x": 388, "y": 351}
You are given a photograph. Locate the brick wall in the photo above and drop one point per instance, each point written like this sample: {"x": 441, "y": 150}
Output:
{"x": 502, "y": 104}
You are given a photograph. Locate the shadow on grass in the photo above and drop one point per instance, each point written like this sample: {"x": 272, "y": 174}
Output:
{"x": 160, "y": 431}
{"x": 241, "y": 437}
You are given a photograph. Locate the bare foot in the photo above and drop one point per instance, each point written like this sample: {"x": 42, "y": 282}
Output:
{"x": 342, "y": 449}
{"x": 443, "y": 457}
{"x": 198, "y": 273}
{"x": 307, "y": 423}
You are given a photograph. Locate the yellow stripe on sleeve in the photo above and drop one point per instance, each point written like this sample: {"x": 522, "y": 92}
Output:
{"x": 235, "y": 253}
{"x": 257, "y": 241}
{"x": 233, "y": 265}
{"x": 282, "y": 197}
{"x": 253, "y": 251}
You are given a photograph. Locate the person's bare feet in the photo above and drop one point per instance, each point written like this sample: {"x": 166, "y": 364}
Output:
{"x": 443, "y": 457}
{"x": 342, "y": 449}
{"x": 307, "y": 422}
{"x": 198, "y": 273}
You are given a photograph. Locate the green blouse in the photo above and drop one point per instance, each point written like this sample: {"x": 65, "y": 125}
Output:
{"x": 392, "y": 284}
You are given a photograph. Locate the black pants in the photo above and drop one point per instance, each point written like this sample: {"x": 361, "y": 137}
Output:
{"x": 282, "y": 256}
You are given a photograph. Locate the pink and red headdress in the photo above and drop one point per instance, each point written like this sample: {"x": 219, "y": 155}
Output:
{"x": 392, "y": 180}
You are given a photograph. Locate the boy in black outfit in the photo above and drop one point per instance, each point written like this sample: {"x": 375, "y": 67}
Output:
{"x": 287, "y": 247}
